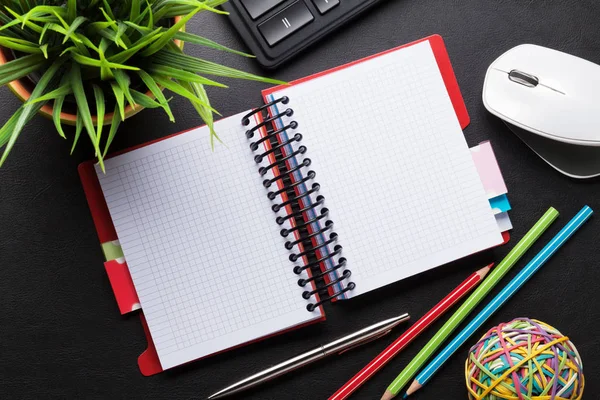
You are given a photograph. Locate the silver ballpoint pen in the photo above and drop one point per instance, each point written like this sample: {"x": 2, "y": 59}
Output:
{"x": 338, "y": 346}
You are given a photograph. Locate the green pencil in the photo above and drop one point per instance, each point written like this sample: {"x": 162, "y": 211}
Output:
{"x": 493, "y": 278}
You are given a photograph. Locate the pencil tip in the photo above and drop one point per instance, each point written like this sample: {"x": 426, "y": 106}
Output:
{"x": 484, "y": 271}
{"x": 414, "y": 386}
{"x": 405, "y": 396}
{"x": 388, "y": 395}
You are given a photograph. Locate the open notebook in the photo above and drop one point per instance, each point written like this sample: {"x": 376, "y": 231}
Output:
{"x": 228, "y": 246}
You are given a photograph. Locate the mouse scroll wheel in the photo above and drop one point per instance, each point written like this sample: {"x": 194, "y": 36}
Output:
{"x": 523, "y": 78}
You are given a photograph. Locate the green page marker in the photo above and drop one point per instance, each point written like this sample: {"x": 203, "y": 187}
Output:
{"x": 493, "y": 278}
{"x": 112, "y": 250}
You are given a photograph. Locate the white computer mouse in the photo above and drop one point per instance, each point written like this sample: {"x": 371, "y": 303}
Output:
{"x": 552, "y": 101}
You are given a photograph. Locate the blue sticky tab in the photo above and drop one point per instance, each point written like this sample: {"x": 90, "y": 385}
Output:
{"x": 500, "y": 203}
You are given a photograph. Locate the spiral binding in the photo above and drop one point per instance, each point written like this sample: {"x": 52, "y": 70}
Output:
{"x": 325, "y": 224}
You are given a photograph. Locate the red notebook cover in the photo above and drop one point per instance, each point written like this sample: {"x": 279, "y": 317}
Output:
{"x": 117, "y": 270}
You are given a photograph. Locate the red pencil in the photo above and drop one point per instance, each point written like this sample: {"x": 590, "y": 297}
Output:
{"x": 390, "y": 352}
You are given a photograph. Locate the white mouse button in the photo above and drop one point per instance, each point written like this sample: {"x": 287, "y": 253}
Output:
{"x": 523, "y": 78}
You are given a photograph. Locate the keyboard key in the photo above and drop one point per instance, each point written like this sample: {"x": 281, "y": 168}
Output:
{"x": 325, "y": 5}
{"x": 285, "y": 22}
{"x": 256, "y": 8}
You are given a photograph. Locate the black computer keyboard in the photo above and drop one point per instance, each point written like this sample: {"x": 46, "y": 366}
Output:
{"x": 276, "y": 30}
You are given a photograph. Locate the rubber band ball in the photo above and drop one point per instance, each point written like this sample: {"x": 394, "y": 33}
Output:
{"x": 524, "y": 359}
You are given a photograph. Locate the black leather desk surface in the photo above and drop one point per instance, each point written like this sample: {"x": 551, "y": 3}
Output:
{"x": 60, "y": 331}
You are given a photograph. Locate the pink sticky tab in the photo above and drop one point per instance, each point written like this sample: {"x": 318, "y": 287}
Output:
{"x": 122, "y": 285}
{"x": 489, "y": 170}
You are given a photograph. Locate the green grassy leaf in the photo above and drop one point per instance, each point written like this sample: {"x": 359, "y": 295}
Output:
{"x": 104, "y": 44}
{"x": 136, "y": 47}
{"x": 44, "y": 49}
{"x": 61, "y": 91}
{"x": 182, "y": 91}
{"x": 157, "y": 92}
{"x": 43, "y": 34}
{"x": 79, "y": 38}
{"x": 33, "y": 26}
{"x": 21, "y": 63}
{"x": 100, "y": 107}
{"x": 38, "y": 11}
{"x": 116, "y": 121}
{"x": 124, "y": 81}
{"x": 107, "y": 11}
{"x": 30, "y": 108}
{"x": 97, "y": 63}
{"x": 21, "y": 45}
{"x": 76, "y": 24}
{"x": 8, "y": 28}
{"x": 143, "y": 100}
{"x": 105, "y": 71}
{"x": 120, "y": 38}
{"x": 120, "y": 98}
{"x": 8, "y": 128}
{"x": 95, "y": 27}
{"x": 134, "y": 10}
{"x": 150, "y": 23}
{"x": 172, "y": 8}
{"x": 58, "y": 105}
{"x": 169, "y": 34}
{"x": 78, "y": 129}
{"x": 191, "y": 38}
{"x": 113, "y": 33}
{"x": 84, "y": 109}
{"x": 18, "y": 74}
{"x": 205, "y": 112}
{"x": 9, "y": 24}
{"x": 193, "y": 64}
{"x": 42, "y": 19}
{"x": 182, "y": 75}
{"x": 56, "y": 110}
{"x": 199, "y": 40}
{"x": 56, "y": 28}
{"x": 71, "y": 10}
{"x": 112, "y": 36}
{"x": 67, "y": 50}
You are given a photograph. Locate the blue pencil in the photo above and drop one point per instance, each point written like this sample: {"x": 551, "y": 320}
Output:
{"x": 518, "y": 281}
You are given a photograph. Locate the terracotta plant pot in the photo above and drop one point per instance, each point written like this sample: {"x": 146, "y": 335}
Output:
{"x": 22, "y": 89}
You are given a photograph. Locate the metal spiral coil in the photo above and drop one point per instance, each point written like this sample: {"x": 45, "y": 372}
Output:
{"x": 296, "y": 201}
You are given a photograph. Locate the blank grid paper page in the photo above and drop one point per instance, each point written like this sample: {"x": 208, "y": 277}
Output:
{"x": 201, "y": 243}
{"x": 394, "y": 166}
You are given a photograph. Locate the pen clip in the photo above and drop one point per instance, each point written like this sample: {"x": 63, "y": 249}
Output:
{"x": 370, "y": 339}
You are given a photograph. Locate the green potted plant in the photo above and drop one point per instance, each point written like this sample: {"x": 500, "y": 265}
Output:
{"x": 91, "y": 63}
